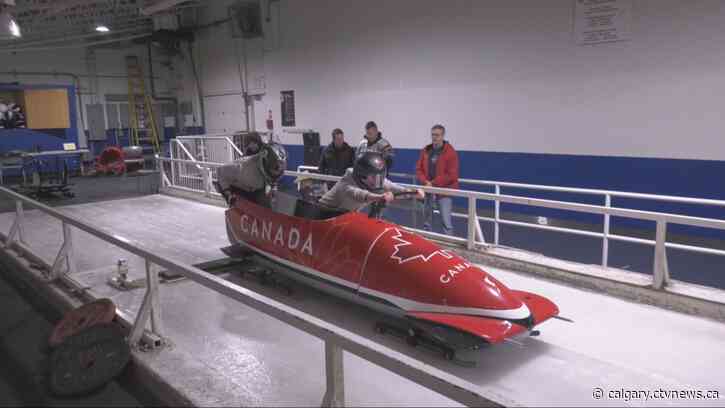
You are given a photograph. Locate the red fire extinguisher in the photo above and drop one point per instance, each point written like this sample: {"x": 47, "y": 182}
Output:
{"x": 270, "y": 124}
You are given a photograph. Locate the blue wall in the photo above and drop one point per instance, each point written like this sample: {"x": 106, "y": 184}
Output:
{"x": 690, "y": 178}
{"x": 47, "y": 139}
{"x": 44, "y": 139}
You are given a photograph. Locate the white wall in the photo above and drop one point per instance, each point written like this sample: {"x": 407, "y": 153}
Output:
{"x": 74, "y": 60}
{"x": 502, "y": 75}
{"x": 220, "y": 66}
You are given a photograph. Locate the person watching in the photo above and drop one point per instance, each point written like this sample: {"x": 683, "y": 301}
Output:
{"x": 438, "y": 167}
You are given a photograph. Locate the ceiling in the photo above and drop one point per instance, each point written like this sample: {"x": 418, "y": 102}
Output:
{"x": 63, "y": 23}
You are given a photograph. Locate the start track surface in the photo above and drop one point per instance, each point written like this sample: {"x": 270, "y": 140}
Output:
{"x": 613, "y": 344}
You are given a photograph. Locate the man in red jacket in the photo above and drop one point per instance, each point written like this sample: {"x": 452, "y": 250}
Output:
{"x": 438, "y": 167}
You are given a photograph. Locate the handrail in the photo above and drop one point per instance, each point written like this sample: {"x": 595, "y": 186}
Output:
{"x": 541, "y": 187}
{"x": 475, "y": 234}
{"x": 560, "y": 205}
{"x": 423, "y": 374}
{"x": 188, "y": 153}
{"x": 512, "y": 199}
{"x": 183, "y": 138}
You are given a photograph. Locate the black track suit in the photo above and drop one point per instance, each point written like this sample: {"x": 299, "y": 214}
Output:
{"x": 334, "y": 161}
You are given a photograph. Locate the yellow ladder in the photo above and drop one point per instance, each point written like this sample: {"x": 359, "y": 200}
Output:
{"x": 142, "y": 122}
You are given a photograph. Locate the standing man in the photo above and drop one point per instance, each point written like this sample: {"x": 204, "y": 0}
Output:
{"x": 438, "y": 167}
{"x": 373, "y": 142}
{"x": 337, "y": 157}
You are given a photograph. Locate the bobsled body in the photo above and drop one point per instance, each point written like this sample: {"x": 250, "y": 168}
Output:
{"x": 385, "y": 267}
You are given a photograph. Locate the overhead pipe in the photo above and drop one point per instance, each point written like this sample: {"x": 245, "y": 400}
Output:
{"x": 153, "y": 86}
{"x": 82, "y": 45}
{"x": 160, "y": 6}
{"x": 198, "y": 85}
{"x": 243, "y": 79}
{"x": 75, "y": 37}
{"x": 76, "y": 80}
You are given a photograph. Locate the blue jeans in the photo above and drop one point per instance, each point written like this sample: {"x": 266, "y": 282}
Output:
{"x": 445, "y": 206}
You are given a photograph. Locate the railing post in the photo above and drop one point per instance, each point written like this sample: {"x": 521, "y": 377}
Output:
{"x": 206, "y": 180}
{"x": 160, "y": 168}
{"x": 479, "y": 232}
{"x": 69, "y": 258}
{"x": 661, "y": 274}
{"x": 149, "y": 307}
{"x": 472, "y": 218}
{"x": 65, "y": 255}
{"x": 605, "y": 238}
{"x": 496, "y": 215}
{"x": 20, "y": 217}
{"x": 17, "y": 227}
{"x": 415, "y": 206}
{"x": 152, "y": 277}
{"x": 171, "y": 153}
{"x": 335, "y": 394}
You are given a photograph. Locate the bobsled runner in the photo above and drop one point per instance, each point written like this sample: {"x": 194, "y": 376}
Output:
{"x": 443, "y": 298}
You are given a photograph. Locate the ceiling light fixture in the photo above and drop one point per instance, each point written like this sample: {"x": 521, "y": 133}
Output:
{"x": 9, "y": 29}
{"x": 102, "y": 29}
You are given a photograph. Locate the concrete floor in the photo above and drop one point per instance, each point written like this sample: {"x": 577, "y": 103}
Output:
{"x": 614, "y": 344}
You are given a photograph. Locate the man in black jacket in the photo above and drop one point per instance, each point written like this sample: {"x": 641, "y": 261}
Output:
{"x": 337, "y": 157}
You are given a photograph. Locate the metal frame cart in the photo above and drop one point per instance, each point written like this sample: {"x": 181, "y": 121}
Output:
{"x": 45, "y": 173}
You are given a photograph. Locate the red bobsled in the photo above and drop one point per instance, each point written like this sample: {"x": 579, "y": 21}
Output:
{"x": 385, "y": 267}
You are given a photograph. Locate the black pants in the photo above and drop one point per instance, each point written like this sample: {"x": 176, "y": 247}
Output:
{"x": 258, "y": 197}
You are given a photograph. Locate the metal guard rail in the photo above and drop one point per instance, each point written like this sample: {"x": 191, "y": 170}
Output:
{"x": 475, "y": 237}
{"x": 336, "y": 339}
{"x": 608, "y": 195}
{"x": 660, "y": 269}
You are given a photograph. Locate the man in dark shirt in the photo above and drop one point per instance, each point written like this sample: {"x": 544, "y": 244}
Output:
{"x": 337, "y": 157}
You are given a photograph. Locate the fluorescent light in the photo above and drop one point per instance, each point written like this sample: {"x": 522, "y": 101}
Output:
{"x": 102, "y": 29}
{"x": 9, "y": 29}
{"x": 14, "y": 29}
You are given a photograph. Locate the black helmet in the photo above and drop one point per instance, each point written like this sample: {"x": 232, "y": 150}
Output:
{"x": 273, "y": 161}
{"x": 251, "y": 143}
{"x": 370, "y": 164}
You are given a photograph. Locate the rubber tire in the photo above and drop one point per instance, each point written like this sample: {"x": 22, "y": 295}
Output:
{"x": 412, "y": 341}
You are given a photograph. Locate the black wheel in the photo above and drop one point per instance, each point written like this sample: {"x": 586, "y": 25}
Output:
{"x": 412, "y": 341}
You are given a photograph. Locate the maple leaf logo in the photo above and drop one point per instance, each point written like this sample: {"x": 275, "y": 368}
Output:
{"x": 405, "y": 251}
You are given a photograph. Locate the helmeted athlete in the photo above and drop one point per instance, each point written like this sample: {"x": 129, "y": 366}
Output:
{"x": 364, "y": 183}
{"x": 253, "y": 176}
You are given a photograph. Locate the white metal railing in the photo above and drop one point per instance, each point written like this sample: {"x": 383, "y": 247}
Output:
{"x": 336, "y": 339}
{"x": 608, "y": 195}
{"x": 215, "y": 149}
{"x": 475, "y": 239}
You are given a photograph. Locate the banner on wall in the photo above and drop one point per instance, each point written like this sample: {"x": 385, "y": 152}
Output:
{"x": 288, "y": 108}
{"x": 602, "y": 21}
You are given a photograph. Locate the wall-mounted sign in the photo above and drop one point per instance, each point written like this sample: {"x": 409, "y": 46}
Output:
{"x": 599, "y": 21}
{"x": 288, "y": 108}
